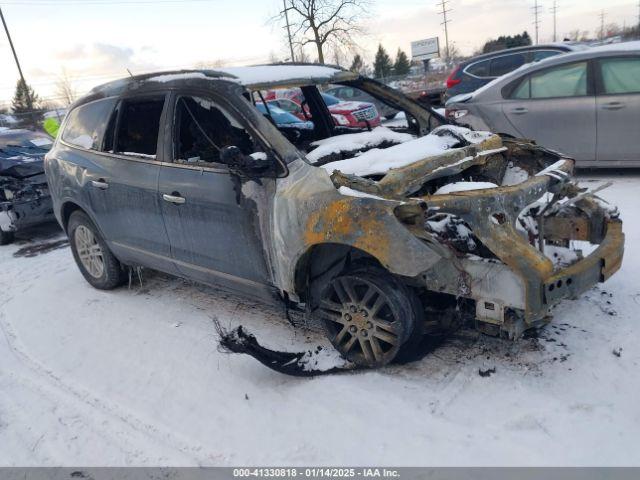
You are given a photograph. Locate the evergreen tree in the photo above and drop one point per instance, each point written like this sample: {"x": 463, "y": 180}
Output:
{"x": 402, "y": 65}
{"x": 25, "y": 99}
{"x": 358, "y": 64}
{"x": 508, "y": 41}
{"x": 382, "y": 66}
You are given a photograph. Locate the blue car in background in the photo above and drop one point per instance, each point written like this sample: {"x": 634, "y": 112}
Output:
{"x": 282, "y": 118}
{"x": 24, "y": 194}
{"x": 290, "y": 126}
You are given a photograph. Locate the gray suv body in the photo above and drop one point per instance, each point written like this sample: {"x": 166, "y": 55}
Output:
{"x": 180, "y": 172}
{"x": 480, "y": 70}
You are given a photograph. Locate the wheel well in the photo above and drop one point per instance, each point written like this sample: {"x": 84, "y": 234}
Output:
{"x": 67, "y": 209}
{"x": 322, "y": 262}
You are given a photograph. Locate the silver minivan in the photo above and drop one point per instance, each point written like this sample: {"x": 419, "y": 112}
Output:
{"x": 585, "y": 104}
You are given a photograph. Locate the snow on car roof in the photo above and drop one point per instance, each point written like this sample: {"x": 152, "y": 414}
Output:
{"x": 285, "y": 74}
{"x": 261, "y": 75}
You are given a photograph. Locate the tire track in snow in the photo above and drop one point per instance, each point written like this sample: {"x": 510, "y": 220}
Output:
{"x": 110, "y": 410}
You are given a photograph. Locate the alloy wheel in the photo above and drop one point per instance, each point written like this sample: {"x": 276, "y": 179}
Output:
{"x": 363, "y": 323}
{"x": 89, "y": 251}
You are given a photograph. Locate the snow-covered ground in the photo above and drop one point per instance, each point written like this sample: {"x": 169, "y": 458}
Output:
{"x": 134, "y": 377}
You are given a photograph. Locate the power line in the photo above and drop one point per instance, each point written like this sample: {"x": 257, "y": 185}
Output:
{"x": 536, "y": 15}
{"x": 286, "y": 17}
{"x": 602, "y": 15}
{"x": 54, "y": 3}
{"x": 445, "y": 22}
{"x": 554, "y": 10}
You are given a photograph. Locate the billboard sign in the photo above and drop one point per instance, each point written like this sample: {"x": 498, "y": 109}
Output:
{"x": 425, "y": 49}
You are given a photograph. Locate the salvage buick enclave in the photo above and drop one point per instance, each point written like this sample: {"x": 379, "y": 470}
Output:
{"x": 381, "y": 234}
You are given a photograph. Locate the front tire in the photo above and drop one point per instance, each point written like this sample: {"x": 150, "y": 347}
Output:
{"x": 92, "y": 255}
{"x": 369, "y": 316}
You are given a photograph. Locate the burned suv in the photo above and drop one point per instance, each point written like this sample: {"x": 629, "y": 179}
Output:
{"x": 381, "y": 234}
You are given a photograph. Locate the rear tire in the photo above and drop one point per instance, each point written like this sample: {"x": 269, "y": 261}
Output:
{"x": 92, "y": 255}
{"x": 369, "y": 316}
{"x": 6, "y": 237}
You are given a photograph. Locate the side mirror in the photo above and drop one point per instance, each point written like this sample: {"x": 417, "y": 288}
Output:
{"x": 257, "y": 164}
{"x": 231, "y": 155}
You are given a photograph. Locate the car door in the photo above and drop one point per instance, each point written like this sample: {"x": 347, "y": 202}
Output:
{"x": 556, "y": 107}
{"x": 618, "y": 109}
{"x": 212, "y": 222}
{"x": 120, "y": 175}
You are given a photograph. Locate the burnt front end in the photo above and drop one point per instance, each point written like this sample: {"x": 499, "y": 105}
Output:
{"x": 24, "y": 202}
{"x": 517, "y": 250}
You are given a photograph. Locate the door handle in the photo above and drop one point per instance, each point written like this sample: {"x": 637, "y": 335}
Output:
{"x": 100, "y": 183}
{"x": 174, "y": 198}
{"x": 613, "y": 105}
{"x": 519, "y": 110}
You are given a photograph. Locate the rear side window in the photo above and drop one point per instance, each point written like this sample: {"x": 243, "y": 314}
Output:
{"x": 138, "y": 127}
{"x": 479, "y": 69}
{"x": 564, "y": 81}
{"x": 505, "y": 64}
{"x": 86, "y": 124}
{"x": 620, "y": 75}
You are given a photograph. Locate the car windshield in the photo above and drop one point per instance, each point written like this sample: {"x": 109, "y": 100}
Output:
{"x": 330, "y": 99}
{"x": 279, "y": 115}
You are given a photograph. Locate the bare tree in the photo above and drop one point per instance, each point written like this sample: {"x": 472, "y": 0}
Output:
{"x": 65, "y": 89}
{"x": 212, "y": 64}
{"x": 324, "y": 22}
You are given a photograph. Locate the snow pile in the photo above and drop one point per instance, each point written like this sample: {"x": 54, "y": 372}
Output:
{"x": 450, "y": 227}
{"x": 514, "y": 175}
{"x": 350, "y": 192}
{"x": 561, "y": 257}
{"x": 471, "y": 136}
{"x": 356, "y": 141}
{"x": 463, "y": 187}
{"x": 378, "y": 161}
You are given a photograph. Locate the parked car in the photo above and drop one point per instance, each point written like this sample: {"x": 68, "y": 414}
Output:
{"x": 585, "y": 104}
{"x": 24, "y": 195}
{"x": 480, "y": 70}
{"x": 346, "y": 114}
{"x": 408, "y": 230}
{"x": 350, "y": 94}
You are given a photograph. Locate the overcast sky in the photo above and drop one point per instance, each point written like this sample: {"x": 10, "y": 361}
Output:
{"x": 97, "y": 40}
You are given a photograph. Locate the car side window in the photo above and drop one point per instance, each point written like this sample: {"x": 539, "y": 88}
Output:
{"x": 542, "y": 54}
{"x": 479, "y": 69}
{"x": 563, "y": 81}
{"x": 620, "y": 75}
{"x": 87, "y": 123}
{"x": 505, "y": 64}
{"x": 203, "y": 128}
{"x": 139, "y": 126}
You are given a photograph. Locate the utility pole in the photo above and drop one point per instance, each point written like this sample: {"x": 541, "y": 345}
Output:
{"x": 445, "y": 22}
{"x": 602, "y": 15}
{"x": 286, "y": 17}
{"x": 15, "y": 55}
{"x": 554, "y": 10}
{"x": 536, "y": 14}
